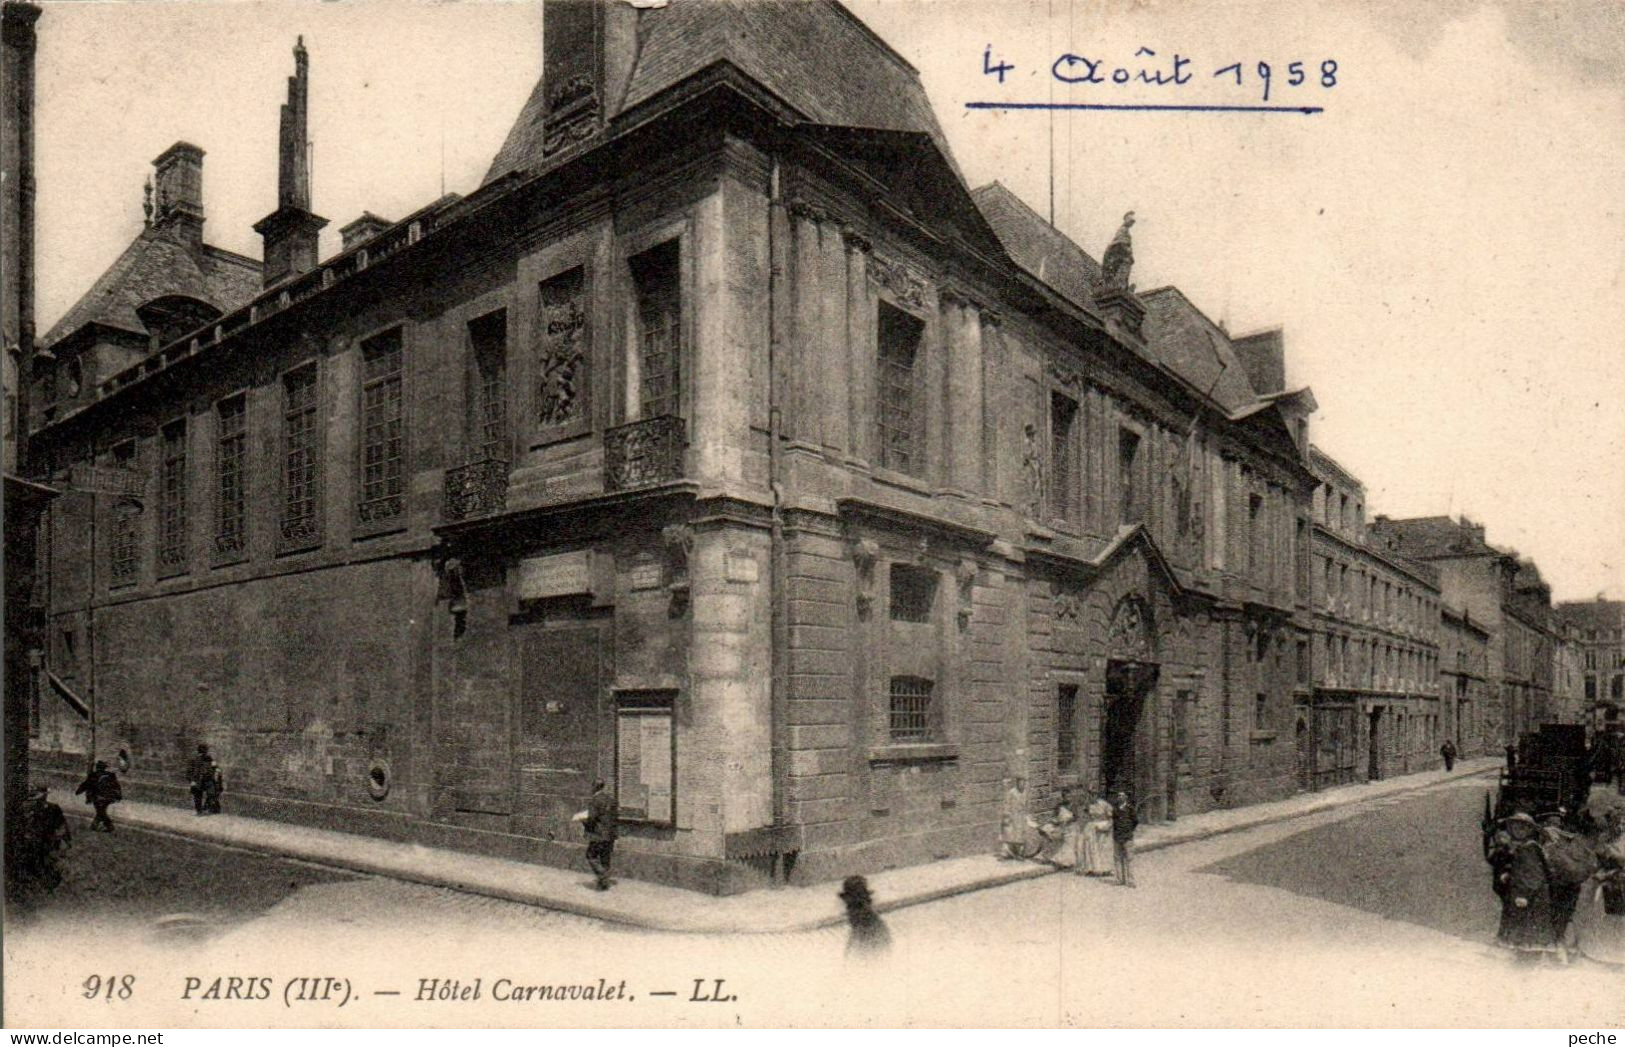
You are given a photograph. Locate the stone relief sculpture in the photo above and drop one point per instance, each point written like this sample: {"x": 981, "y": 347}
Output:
{"x": 560, "y": 355}
{"x": 1032, "y": 469}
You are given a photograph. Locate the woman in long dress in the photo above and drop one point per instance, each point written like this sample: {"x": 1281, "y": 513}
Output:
{"x": 1095, "y": 840}
{"x": 1526, "y": 904}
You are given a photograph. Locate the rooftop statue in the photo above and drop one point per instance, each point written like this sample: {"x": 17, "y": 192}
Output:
{"x": 1119, "y": 260}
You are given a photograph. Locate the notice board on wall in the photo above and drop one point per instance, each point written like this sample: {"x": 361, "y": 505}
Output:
{"x": 645, "y": 757}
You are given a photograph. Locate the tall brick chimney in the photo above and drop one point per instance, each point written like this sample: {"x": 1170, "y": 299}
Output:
{"x": 290, "y": 232}
{"x": 177, "y": 206}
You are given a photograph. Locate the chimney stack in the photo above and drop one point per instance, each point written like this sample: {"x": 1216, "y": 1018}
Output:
{"x": 177, "y": 206}
{"x": 363, "y": 229}
{"x": 291, "y": 231}
{"x": 1263, "y": 356}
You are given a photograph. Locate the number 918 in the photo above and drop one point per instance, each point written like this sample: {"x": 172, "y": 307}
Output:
{"x": 112, "y": 987}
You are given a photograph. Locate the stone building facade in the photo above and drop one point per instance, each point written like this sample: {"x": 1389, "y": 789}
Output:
{"x": 1375, "y": 709}
{"x": 1597, "y": 633}
{"x": 723, "y": 445}
{"x": 1468, "y": 697}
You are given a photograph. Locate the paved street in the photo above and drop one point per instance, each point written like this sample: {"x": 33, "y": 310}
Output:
{"x": 1379, "y": 914}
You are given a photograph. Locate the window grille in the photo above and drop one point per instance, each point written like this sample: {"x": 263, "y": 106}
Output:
{"x": 172, "y": 497}
{"x": 657, "y": 275}
{"x": 124, "y": 549}
{"x": 1066, "y": 728}
{"x": 910, "y": 709}
{"x": 229, "y": 534}
{"x": 899, "y": 337}
{"x": 913, "y": 591}
{"x": 382, "y": 434}
{"x": 488, "y": 421}
{"x": 301, "y": 474}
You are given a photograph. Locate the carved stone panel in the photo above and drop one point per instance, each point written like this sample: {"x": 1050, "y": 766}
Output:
{"x": 561, "y": 351}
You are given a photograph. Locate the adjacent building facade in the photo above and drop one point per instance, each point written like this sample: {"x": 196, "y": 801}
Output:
{"x": 1596, "y": 631}
{"x": 1376, "y": 707}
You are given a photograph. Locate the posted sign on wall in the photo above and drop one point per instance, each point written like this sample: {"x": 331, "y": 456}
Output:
{"x": 644, "y": 768}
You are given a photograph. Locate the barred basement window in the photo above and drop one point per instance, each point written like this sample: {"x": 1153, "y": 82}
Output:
{"x": 172, "y": 498}
{"x": 382, "y": 435}
{"x": 899, "y": 340}
{"x": 301, "y": 469}
{"x": 913, "y": 591}
{"x": 123, "y": 544}
{"x": 910, "y": 709}
{"x": 230, "y": 460}
{"x": 1066, "y": 728}
{"x": 488, "y": 386}
{"x": 657, "y": 276}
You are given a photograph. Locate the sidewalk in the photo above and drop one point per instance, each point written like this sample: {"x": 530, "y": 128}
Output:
{"x": 658, "y": 907}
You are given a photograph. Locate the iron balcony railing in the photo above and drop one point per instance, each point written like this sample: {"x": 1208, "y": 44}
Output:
{"x": 639, "y": 454}
{"x": 476, "y": 489}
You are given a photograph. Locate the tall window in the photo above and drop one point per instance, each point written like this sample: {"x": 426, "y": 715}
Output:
{"x": 561, "y": 358}
{"x": 657, "y": 276}
{"x": 899, "y": 340}
{"x": 123, "y": 544}
{"x": 1128, "y": 450}
{"x": 488, "y": 386}
{"x": 172, "y": 498}
{"x": 1066, "y": 728}
{"x": 382, "y": 428}
{"x": 1255, "y": 509}
{"x": 910, "y": 711}
{"x": 301, "y": 457}
{"x": 1063, "y": 443}
{"x": 230, "y": 460}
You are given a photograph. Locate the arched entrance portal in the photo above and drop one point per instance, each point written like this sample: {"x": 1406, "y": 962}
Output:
{"x": 1127, "y": 757}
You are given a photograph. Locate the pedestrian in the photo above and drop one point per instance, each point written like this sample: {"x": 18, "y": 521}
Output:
{"x": 601, "y": 822}
{"x": 48, "y": 836}
{"x": 1059, "y": 830}
{"x": 869, "y": 937}
{"x": 1013, "y": 823}
{"x": 1124, "y": 821}
{"x": 1526, "y": 904}
{"x": 1600, "y": 927}
{"x": 1095, "y": 838}
{"x": 101, "y": 790}
{"x": 1570, "y": 864}
{"x": 201, "y": 774}
{"x": 1448, "y": 751}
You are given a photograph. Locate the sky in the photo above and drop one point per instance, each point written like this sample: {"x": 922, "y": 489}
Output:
{"x": 1443, "y": 244}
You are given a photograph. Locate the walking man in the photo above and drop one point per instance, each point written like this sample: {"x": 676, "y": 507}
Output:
{"x": 603, "y": 814}
{"x": 200, "y": 772}
{"x": 1124, "y": 821}
{"x": 1448, "y": 751}
{"x": 101, "y": 790}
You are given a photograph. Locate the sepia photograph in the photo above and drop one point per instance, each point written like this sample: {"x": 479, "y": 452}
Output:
{"x": 873, "y": 514}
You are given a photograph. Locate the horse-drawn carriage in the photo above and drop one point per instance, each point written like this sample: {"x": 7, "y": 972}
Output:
{"x": 1551, "y": 775}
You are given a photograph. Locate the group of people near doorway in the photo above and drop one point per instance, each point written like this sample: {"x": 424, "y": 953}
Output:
{"x": 1097, "y": 833}
{"x": 1560, "y": 889}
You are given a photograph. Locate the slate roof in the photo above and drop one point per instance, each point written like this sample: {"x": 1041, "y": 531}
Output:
{"x": 1435, "y": 537}
{"x": 1598, "y": 614}
{"x": 814, "y": 55}
{"x": 152, "y": 266}
{"x": 1038, "y": 247}
{"x": 1194, "y": 346}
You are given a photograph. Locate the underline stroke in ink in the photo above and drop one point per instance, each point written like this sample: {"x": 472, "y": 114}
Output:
{"x": 1080, "y": 70}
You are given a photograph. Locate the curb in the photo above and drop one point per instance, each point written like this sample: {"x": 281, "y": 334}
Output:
{"x": 556, "y": 903}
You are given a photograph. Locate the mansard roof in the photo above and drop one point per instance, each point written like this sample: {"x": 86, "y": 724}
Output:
{"x": 815, "y": 56}
{"x": 1042, "y": 250}
{"x": 154, "y": 266}
{"x": 1197, "y": 348}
